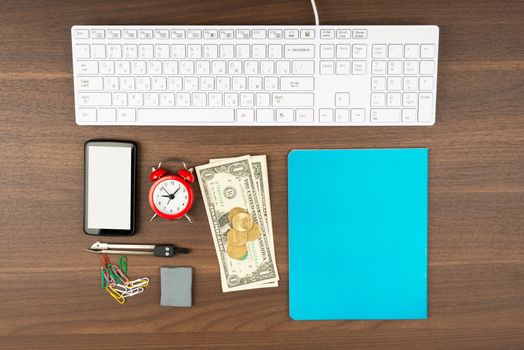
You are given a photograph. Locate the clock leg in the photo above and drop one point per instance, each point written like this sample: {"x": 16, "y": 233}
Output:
{"x": 152, "y": 218}
{"x": 188, "y": 218}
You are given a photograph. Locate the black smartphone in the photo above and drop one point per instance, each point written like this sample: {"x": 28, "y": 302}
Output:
{"x": 109, "y": 187}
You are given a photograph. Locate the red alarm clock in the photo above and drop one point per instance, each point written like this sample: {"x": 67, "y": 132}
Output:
{"x": 171, "y": 196}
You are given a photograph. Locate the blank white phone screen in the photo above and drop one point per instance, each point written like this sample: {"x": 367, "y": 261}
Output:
{"x": 109, "y": 188}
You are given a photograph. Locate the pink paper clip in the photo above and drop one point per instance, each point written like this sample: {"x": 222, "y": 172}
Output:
{"x": 123, "y": 277}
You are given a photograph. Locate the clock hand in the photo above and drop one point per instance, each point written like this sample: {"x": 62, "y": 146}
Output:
{"x": 165, "y": 190}
{"x": 176, "y": 190}
{"x": 166, "y": 196}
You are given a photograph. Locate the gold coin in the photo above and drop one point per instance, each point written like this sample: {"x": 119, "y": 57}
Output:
{"x": 253, "y": 233}
{"x": 234, "y": 212}
{"x": 236, "y": 238}
{"x": 236, "y": 252}
{"x": 242, "y": 222}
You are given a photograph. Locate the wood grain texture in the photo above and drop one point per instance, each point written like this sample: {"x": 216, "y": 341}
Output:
{"x": 50, "y": 296}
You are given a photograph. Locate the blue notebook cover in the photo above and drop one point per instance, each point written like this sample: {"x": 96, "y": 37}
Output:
{"x": 358, "y": 234}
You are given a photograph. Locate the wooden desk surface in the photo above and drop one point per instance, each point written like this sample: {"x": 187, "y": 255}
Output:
{"x": 50, "y": 295}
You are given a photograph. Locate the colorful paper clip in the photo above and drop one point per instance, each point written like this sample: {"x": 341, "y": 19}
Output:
{"x": 122, "y": 264}
{"x": 116, "y": 295}
{"x": 141, "y": 282}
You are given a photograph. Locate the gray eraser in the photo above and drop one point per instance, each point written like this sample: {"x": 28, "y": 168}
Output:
{"x": 175, "y": 285}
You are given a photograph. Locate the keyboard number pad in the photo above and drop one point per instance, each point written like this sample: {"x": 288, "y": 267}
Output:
{"x": 402, "y": 82}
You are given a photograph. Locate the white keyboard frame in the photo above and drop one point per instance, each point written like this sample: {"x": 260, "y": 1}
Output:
{"x": 359, "y": 87}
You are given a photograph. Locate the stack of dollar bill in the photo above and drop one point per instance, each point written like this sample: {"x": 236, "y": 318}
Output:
{"x": 240, "y": 182}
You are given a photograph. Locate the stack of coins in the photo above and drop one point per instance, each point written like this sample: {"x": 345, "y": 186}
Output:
{"x": 244, "y": 229}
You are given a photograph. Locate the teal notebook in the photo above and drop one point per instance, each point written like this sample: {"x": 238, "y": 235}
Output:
{"x": 358, "y": 234}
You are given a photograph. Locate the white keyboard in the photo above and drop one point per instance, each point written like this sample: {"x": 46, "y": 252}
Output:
{"x": 255, "y": 75}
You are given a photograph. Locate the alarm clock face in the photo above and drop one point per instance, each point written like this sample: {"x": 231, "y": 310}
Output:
{"x": 171, "y": 197}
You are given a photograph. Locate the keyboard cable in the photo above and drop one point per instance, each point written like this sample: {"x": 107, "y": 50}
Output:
{"x": 315, "y": 12}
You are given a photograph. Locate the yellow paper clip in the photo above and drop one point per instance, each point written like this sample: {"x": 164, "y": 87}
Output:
{"x": 116, "y": 295}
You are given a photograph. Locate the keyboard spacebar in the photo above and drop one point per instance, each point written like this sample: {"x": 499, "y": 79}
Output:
{"x": 186, "y": 115}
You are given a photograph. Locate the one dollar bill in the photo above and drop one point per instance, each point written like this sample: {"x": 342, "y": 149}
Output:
{"x": 226, "y": 184}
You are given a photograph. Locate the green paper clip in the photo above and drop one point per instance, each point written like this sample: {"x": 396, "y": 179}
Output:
{"x": 122, "y": 264}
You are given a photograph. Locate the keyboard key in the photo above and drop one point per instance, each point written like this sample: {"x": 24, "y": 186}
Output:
{"x": 161, "y": 34}
{"x": 211, "y": 51}
{"x": 394, "y": 83}
{"x": 343, "y": 33}
{"x": 342, "y": 99}
{"x": 359, "y": 67}
{"x": 145, "y": 34}
{"x": 395, "y": 51}
{"x": 299, "y": 51}
{"x": 114, "y": 51}
{"x": 410, "y": 83}
{"x": 359, "y": 51}
{"x": 379, "y": 51}
{"x": 427, "y": 51}
{"x": 194, "y": 51}
{"x": 296, "y": 83}
{"x": 87, "y": 114}
{"x": 178, "y": 51}
{"x": 283, "y": 67}
{"x": 226, "y": 51}
{"x": 129, "y": 34}
{"x": 120, "y": 99}
{"x": 341, "y": 115}
{"x": 291, "y": 33}
{"x": 275, "y": 51}
{"x": 409, "y": 115}
{"x": 411, "y": 51}
{"x": 178, "y": 34}
{"x": 86, "y": 67}
{"x": 343, "y": 67}
{"x": 162, "y": 51}
{"x": 327, "y": 51}
{"x": 226, "y": 34}
{"x": 426, "y": 83}
{"x": 258, "y": 34}
{"x": 304, "y": 116}
{"x": 93, "y": 99}
{"x": 265, "y": 116}
{"x": 126, "y": 115}
{"x": 327, "y": 68}
{"x": 275, "y": 34}
{"x": 378, "y": 83}
{"x": 106, "y": 115}
{"x": 285, "y": 115}
{"x": 263, "y": 99}
{"x": 307, "y": 34}
{"x": 325, "y": 115}
{"x": 327, "y": 34}
{"x": 393, "y": 99}
{"x": 82, "y": 51}
{"x": 167, "y": 99}
{"x": 242, "y": 34}
{"x": 210, "y": 34}
{"x": 292, "y": 99}
{"x": 358, "y": 115}
{"x": 114, "y": 34}
{"x": 194, "y": 34}
{"x": 299, "y": 67}
{"x": 90, "y": 83}
{"x": 360, "y": 33}
{"x": 231, "y": 100}
{"x": 409, "y": 99}
{"x": 378, "y": 67}
{"x": 107, "y": 67}
{"x": 185, "y": 115}
{"x": 425, "y": 107}
{"x": 267, "y": 68}
{"x": 385, "y": 115}
{"x": 378, "y": 99}
{"x": 395, "y": 67}
{"x": 427, "y": 67}
{"x": 82, "y": 34}
{"x": 98, "y": 34}
{"x": 215, "y": 99}
{"x": 145, "y": 51}
{"x": 410, "y": 67}
{"x": 245, "y": 115}
{"x": 259, "y": 51}
{"x": 343, "y": 51}
{"x": 130, "y": 51}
